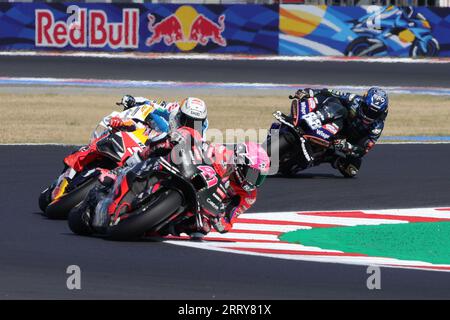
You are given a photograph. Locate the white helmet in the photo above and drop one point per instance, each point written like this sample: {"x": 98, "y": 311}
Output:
{"x": 193, "y": 112}
{"x": 194, "y": 108}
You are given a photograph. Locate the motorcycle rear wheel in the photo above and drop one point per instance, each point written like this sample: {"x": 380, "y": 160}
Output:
{"x": 285, "y": 155}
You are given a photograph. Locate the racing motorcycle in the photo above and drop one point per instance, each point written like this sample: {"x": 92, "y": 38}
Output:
{"x": 108, "y": 148}
{"x": 379, "y": 36}
{"x": 155, "y": 195}
{"x": 292, "y": 149}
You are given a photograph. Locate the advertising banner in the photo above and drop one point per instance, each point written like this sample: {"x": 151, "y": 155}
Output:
{"x": 251, "y": 29}
{"x": 367, "y": 30}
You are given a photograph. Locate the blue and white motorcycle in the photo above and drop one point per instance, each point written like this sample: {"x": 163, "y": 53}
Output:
{"x": 393, "y": 31}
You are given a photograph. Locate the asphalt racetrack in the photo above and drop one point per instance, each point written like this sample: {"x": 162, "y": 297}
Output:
{"x": 35, "y": 252}
{"x": 286, "y": 72}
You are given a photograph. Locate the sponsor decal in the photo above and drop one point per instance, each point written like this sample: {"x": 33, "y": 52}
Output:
{"x": 305, "y": 152}
{"x": 376, "y": 131}
{"x": 303, "y": 108}
{"x": 92, "y": 30}
{"x": 312, "y": 104}
{"x": 186, "y": 28}
{"x": 212, "y": 203}
{"x": 322, "y": 134}
{"x": 331, "y": 128}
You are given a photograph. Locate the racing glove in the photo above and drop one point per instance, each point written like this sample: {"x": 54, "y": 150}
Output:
{"x": 302, "y": 94}
{"x": 116, "y": 123}
{"x": 347, "y": 148}
{"x": 225, "y": 221}
{"x": 312, "y": 120}
{"x": 222, "y": 224}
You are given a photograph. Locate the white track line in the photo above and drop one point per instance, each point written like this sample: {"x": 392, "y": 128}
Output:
{"x": 123, "y": 83}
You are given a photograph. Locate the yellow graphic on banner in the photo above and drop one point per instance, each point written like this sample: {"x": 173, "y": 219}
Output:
{"x": 298, "y": 22}
{"x": 406, "y": 36}
{"x": 187, "y": 15}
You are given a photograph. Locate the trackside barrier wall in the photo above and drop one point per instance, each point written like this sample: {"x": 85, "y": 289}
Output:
{"x": 368, "y": 30}
{"x": 241, "y": 29}
{"x": 250, "y": 29}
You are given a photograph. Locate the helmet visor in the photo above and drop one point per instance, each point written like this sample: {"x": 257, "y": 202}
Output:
{"x": 186, "y": 121}
{"x": 369, "y": 113}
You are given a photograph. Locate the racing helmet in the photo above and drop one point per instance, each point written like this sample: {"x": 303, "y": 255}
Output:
{"x": 409, "y": 11}
{"x": 193, "y": 113}
{"x": 252, "y": 165}
{"x": 374, "y": 105}
{"x": 127, "y": 102}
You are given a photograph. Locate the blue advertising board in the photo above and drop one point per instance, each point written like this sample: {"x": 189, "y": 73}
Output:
{"x": 364, "y": 31}
{"x": 250, "y": 29}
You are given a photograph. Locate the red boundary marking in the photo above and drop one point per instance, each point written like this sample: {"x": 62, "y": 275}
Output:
{"x": 361, "y": 214}
{"x": 287, "y": 223}
{"x": 442, "y": 209}
{"x": 275, "y": 233}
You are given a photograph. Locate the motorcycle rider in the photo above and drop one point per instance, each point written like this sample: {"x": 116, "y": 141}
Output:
{"x": 157, "y": 118}
{"x": 353, "y": 123}
{"x": 245, "y": 168}
{"x": 173, "y": 114}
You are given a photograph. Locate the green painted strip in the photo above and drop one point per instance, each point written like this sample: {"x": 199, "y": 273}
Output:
{"x": 428, "y": 241}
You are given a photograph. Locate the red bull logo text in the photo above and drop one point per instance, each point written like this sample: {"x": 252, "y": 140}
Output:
{"x": 90, "y": 30}
{"x": 186, "y": 28}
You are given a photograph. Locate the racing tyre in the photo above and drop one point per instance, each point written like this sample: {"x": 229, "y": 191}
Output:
{"x": 283, "y": 144}
{"x": 148, "y": 216}
{"x": 358, "y": 47}
{"x": 78, "y": 219}
{"x": 60, "y": 208}
{"x": 432, "y": 49}
{"x": 45, "y": 198}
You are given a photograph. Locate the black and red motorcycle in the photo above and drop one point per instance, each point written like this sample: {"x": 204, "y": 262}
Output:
{"x": 153, "y": 196}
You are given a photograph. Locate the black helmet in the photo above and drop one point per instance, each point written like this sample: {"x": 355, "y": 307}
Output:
{"x": 127, "y": 102}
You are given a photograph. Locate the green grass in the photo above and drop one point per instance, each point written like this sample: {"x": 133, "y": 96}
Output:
{"x": 429, "y": 241}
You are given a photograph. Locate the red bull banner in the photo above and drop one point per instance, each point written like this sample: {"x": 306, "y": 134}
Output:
{"x": 139, "y": 27}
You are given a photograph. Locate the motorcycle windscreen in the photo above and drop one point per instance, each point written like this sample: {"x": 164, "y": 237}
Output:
{"x": 99, "y": 131}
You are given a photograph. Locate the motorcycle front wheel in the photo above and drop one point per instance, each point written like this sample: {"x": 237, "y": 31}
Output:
{"x": 432, "y": 49}
{"x": 45, "y": 198}
{"x": 146, "y": 217}
{"x": 60, "y": 208}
